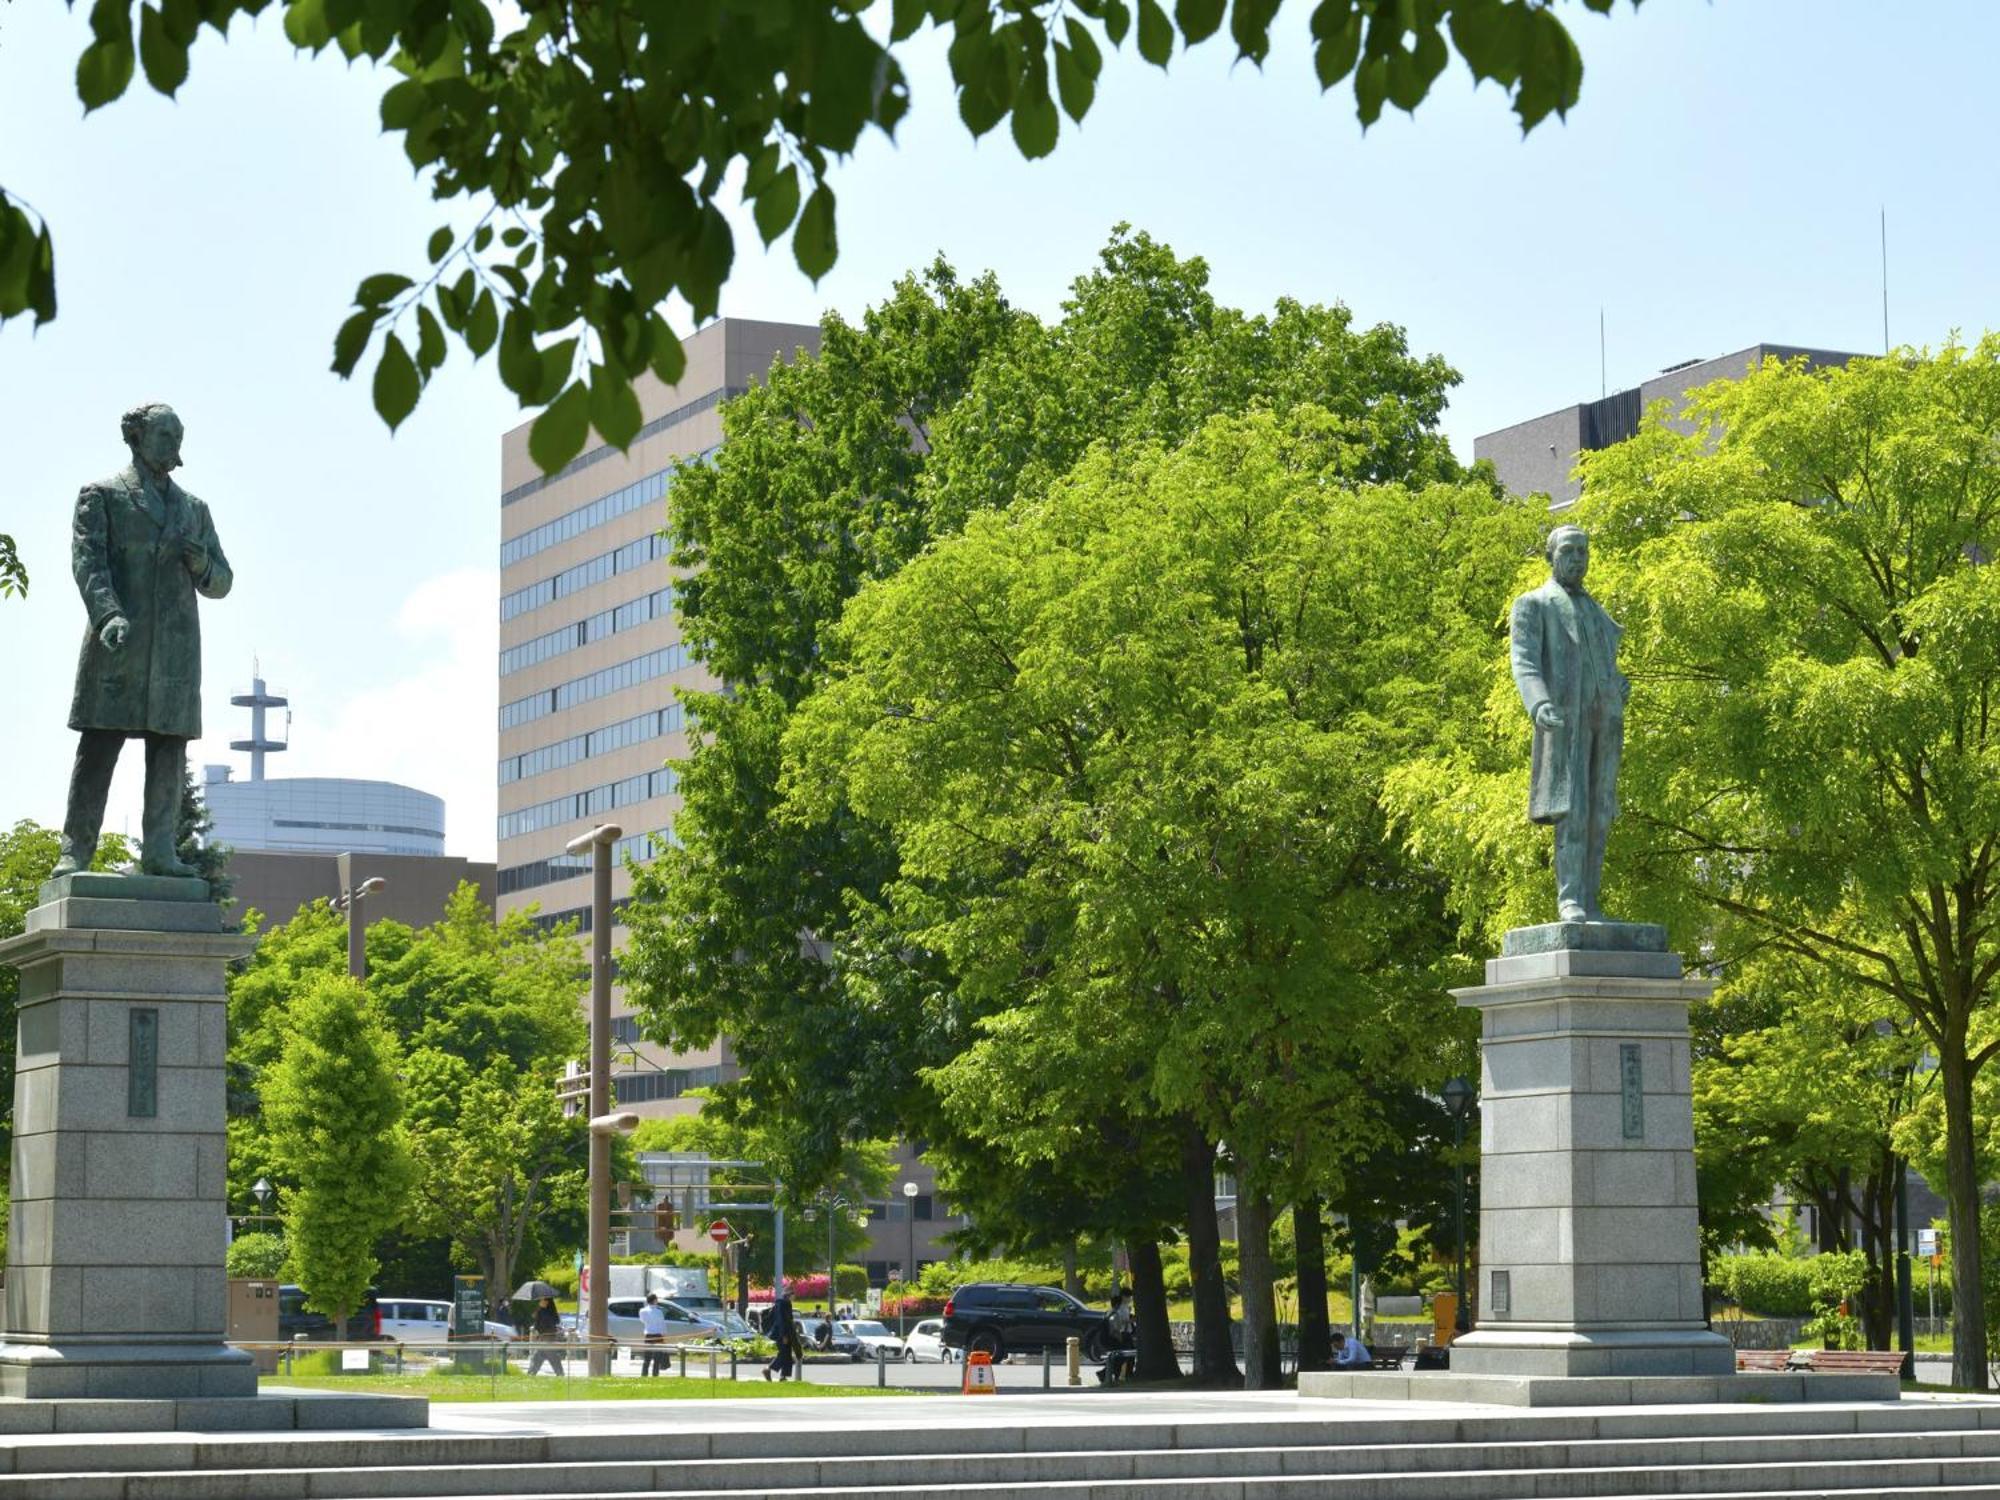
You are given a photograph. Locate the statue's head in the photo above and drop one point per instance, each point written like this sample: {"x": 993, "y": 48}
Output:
{"x": 1568, "y": 550}
{"x": 153, "y": 432}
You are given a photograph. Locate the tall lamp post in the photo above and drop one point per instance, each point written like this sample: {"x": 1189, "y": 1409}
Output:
{"x": 909, "y": 1266}
{"x": 357, "y": 924}
{"x": 602, "y": 1127}
{"x": 1458, "y": 1097}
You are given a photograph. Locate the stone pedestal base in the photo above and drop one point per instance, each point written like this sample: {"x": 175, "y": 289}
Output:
{"x": 1788, "y": 1387}
{"x": 1589, "y": 1254}
{"x": 161, "y": 1371}
{"x": 114, "y": 1252}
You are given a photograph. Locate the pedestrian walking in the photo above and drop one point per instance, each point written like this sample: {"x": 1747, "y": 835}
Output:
{"x": 545, "y": 1334}
{"x": 784, "y": 1329}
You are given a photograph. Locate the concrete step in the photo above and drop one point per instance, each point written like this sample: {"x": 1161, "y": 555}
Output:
{"x": 1698, "y": 1465}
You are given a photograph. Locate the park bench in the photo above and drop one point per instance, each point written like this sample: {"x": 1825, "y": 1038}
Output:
{"x": 1385, "y": 1358}
{"x": 1763, "y": 1359}
{"x": 1853, "y": 1361}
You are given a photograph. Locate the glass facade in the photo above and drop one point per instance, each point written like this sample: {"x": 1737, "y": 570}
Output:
{"x": 654, "y": 606}
{"x": 636, "y": 730}
{"x": 599, "y": 684}
{"x": 325, "y": 813}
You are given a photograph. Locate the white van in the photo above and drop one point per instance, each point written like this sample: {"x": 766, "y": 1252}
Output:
{"x": 409, "y": 1320}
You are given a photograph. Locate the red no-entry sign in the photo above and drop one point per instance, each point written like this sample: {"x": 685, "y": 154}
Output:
{"x": 719, "y": 1231}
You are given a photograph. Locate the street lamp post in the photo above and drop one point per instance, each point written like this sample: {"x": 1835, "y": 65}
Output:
{"x": 599, "y": 841}
{"x": 1458, "y": 1097}
{"x": 357, "y": 924}
{"x": 909, "y": 1266}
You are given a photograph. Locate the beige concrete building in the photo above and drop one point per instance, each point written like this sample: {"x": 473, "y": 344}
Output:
{"x": 590, "y": 656}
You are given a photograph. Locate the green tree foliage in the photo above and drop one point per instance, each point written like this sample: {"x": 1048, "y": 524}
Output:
{"x": 1800, "y": 1081}
{"x": 485, "y": 1014}
{"x": 28, "y": 852}
{"x": 13, "y": 572}
{"x": 192, "y": 844}
{"x": 597, "y": 144}
{"x": 944, "y": 404}
{"x": 334, "y": 1107}
{"x": 1813, "y": 628}
{"x": 494, "y": 1156}
{"x": 1129, "y": 740}
{"x": 259, "y": 1255}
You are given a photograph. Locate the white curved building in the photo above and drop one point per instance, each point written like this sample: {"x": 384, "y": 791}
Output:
{"x": 323, "y": 814}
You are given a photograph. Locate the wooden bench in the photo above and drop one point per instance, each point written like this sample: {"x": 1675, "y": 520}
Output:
{"x": 1853, "y": 1361}
{"x": 1383, "y": 1358}
{"x": 1763, "y": 1359}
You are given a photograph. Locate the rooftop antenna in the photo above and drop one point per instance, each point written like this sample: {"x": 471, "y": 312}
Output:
{"x": 1885, "y": 281}
{"x": 1603, "y": 383}
{"x": 257, "y": 700}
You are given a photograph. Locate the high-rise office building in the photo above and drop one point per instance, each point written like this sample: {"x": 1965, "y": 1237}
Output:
{"x": 1536, "y": 457}
{"x": 591, "y": 655}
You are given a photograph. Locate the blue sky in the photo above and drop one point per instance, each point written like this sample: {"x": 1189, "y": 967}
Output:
{"x": 1718, "y": 185}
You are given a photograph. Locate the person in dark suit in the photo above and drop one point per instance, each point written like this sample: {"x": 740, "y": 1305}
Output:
{"x": 784, "y": 1332}
{"x": 141, "y": 548}
{"x": 1565, "y": 661}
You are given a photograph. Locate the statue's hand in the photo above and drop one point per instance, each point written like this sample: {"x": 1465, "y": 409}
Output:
{"x": 114, "y": 632}
{"x": 194, "y": 555}
{"x": 1548, "y": 716}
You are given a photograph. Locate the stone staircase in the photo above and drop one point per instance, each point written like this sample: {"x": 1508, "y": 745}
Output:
{"x": 1121, "y": 1451}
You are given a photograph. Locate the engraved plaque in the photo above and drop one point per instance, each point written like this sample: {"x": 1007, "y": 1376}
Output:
{"x": 1502, "y": 1299}
{"x": 142, "y": 1063}
{"x": 1631, "y": 1084}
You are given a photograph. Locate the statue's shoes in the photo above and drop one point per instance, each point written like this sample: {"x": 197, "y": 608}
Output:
{"x": 67, "y": 865}
{"x": 166, "y": 867}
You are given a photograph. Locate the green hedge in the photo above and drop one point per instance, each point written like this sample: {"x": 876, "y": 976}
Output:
{"x": 1771, "y": 1286}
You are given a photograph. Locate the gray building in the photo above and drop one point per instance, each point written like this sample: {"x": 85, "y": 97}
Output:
{"x": 278, "y": 882}
{"x": 1537, "y": 457}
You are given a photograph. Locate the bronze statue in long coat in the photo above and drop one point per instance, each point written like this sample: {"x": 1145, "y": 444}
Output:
{"x": 141, "y": 548}
{"x": 1565, "y": 661}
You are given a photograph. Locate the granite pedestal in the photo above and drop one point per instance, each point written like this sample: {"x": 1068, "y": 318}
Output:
{"x": 1589, "y": 1253}
{"x": 114, "y": 1254}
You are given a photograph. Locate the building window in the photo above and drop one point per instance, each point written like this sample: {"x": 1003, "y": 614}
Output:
{"x": 606, "y": 622}
{"x": 638, "y": 847}
{"x": 652, "y": 724}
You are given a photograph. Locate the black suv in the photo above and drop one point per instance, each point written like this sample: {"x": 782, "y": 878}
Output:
{"x": 1002, "y": 1318}
{"x": 294, "y": 1322}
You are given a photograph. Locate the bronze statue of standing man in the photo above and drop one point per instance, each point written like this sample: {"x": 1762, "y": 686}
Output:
{"x": 142, "y": 548}
{"x": 1565, "y": 658}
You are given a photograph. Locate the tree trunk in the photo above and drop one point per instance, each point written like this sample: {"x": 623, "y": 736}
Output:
{"x": 1961, "y": 1174}
{"x": 1157, "y": 1360}
{"x": 1263, "y": 1369}
{"x": 1315, "y": 1330}
{"x": 1072, "y": 1279}
{"x": 1214, "y": 1359}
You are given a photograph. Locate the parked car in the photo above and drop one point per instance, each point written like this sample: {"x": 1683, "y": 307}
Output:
{"x": 999, "y": 1318}
{"x": 294, "y": 1321}
{"x": 877, "y": 1342}
{"x": 727, "y": 1322}
{"x": 926, "y": 1342}
{"x": 621, "y": 1317}
{"x": 819, "y": 1341}
{"x": 409, "y": 1320}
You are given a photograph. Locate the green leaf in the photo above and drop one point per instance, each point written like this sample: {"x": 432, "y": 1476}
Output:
{"x": 557, "y": 361}
{"x": 1199, "y": 18}
{"x": 512, "y": 236}
{"x": 482, "y": 325}
{"x": 1117, "y": 21}
{"x": 1411, "y": 73}
{"x": 1339, "y": 44}
{"x": 778, "y": 204}
{"x": 520, "y": 360}
{"x": 42, "y": 278}
{"x": 763, "y": 167}
{"x": 102, "y": 73}
{"x": 306, "y": 24}
{"x": 165, "y": 59}
{"x": 905, "y": 16}
{"x": 559, "y": 433}
{"x": 1371, "y": 82}
{"x": 1073, "y": 84}
{"x": 396, "y": 383}
{"x": 1489, "y": 36}
{"x": 1551, "y": 71}
{"x": 814, "y": 244}
{"x": 404, "y": 104}
{"x": 1084, "y": 45}
{"x": 1250, "y": 24}
{"x": 381, "y": 289}
{"x": 1035, "y": 120}
{"x": 430, "y": 341}
{"x": 440, "y": 245}
{"x": 614, "y": 410}
{"x": 352, "y": 341}
{"x": 1156, "y": 33}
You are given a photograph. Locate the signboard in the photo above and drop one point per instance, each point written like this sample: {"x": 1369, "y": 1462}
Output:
{"x": 720, "y": 1231}
{"x": 1632, "y": 1090}
{"x": 1927, "y": 1242}
{"x": 468, "y": 1306}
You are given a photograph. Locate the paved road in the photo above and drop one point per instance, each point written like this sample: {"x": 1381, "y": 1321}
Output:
{"x": 1021, "y": 1374}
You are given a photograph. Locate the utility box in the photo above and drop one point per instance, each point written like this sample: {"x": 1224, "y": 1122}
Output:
{"x": 1444, "y": 1317}
{"x": 253, "y": 1319}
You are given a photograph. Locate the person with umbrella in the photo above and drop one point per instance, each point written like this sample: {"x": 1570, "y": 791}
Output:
{"x": 544, "y": 1327}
